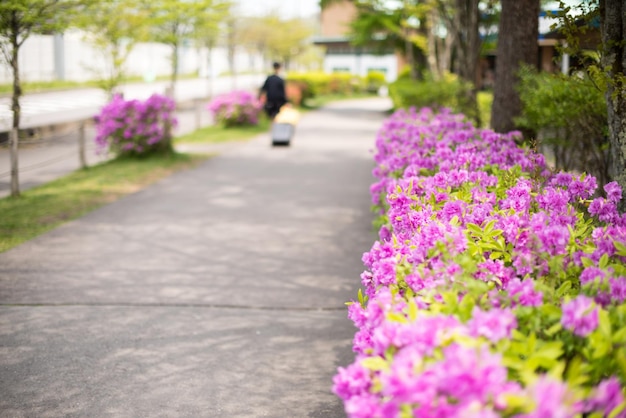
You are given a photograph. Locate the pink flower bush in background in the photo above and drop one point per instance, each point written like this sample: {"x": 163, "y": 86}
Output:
{"x": 237, "y": 108}
{"x": 496, "y": 287}
{"x": 134, "y": 127}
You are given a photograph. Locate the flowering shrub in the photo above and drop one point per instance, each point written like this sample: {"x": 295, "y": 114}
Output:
{"x": 236, "y": 108}
{"x": 496, "y": 288}
{"x": 134, "y": 127}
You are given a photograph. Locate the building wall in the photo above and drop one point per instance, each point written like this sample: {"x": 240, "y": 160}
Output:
{"x": 80, "y": 61}
{"x": 336, "y": 18}
{"x": 362, "y": 64}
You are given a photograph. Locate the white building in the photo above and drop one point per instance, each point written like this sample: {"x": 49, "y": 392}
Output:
{"x": 341, "y": 56}
{"x": 71, "y": 57}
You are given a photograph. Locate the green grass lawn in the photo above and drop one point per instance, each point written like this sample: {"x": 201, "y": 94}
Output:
{"x": 218, "y": 134}
{"x": 45, "y": 207}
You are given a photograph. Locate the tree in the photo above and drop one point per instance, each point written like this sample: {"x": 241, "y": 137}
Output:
{"x": 255, "y": 34}
{"x": 18, "y": 20}
{"x": 382, "y": 25}
{"x": 439, "y": 53}
{"x": 207, "y": 35}
{"x": 462, "y": 20}
{"x": 613, "y": 29}
{"x": 175, "y": 21}
{"x": 289, "y": 39}
{"x": 275, "y": 38}
{"x": 518, "y": 32}
{"x": 114, "y": 27}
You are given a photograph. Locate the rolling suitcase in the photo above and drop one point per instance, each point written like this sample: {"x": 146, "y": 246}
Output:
{"x": 284, "y": 125}
{"x": 282, "y": 133}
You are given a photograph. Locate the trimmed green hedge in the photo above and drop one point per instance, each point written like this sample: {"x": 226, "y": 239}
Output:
{"x": 449, "y": 92}
{"x": 318, "y": 84}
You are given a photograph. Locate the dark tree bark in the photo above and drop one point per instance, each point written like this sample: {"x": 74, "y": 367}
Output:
{"x": 518, "y": 33}
{"x": 613, "y": 27}
{"x": 462, "y": 20}
{"x": 469, "y": 51}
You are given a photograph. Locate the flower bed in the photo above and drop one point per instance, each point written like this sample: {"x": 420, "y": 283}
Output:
{"x": 135, "y": 127}
{"x": 237, "y": 108}
{"x": 496, "y": 288}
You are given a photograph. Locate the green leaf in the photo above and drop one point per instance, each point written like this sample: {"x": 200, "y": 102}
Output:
{"x": 536, "y": 361}
{"x": 396, "y": 317}
{"x": 599, "y": 344}
{"x": 575, "y": 374}
{"x": 619, "y": 337}
{"x": 375, "y": 364}
{"x": 552, "y": 350}
{"x": 474, "y": 228}
{"x": 517, "y": 402}
{"x": 450, "y": 299}
{"x": 406, "y": 412}
{"x": 495, "y": 255}
{"x": 604, "y": 323}
{"x": 517, "y": 335}
{"x": 553, "y": 329}
{"x": 620, "y": 356}
{"x": 587, "y": 262}
{"x": 551, "y": 311}
{"x": 531, "y": 342}
{"x": 604, "y": 261}
{"x": 620, "y": 248}
{"x": 489, "y": 227}
{"x": 413, "y": 310}
{"x": 621, "y": 407}
{"x": 564, "y": 289}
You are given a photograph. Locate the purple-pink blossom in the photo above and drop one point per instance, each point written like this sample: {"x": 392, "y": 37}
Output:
{"x": 580, "y": 315}
{"x": 606, "y": 397}
{"x": 494, "y": 324}
{"x": 236, "y": 108}
{"x": 470, "y": 217}
{"x": 552, "y": 399}
{"x": 133, "y": 126}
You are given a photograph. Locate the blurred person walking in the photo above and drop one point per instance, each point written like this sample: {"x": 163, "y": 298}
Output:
{"x": 274, "y": 90}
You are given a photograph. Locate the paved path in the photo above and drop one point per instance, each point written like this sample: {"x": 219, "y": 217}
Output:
{"x": 217, "y": 292}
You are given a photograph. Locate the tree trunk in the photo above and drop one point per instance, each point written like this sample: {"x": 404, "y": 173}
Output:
{"x": 613, "y": 27}
{"x": 462, "y": 17}
{"x": 231, "y": 48}
{"x": 445, "y": 57}
{"x": 517, "y": 44}
{"x": 172, "y": 89}
{"x": 15, "y": 107}
{"x": 433, "y": 65}
{"x": 469, "y": 50}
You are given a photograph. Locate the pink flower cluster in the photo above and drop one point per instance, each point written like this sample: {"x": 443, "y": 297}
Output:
{"x": 236, "y": 108}
{"x": 476, "y": 233}
{"x": 134, "y": 126}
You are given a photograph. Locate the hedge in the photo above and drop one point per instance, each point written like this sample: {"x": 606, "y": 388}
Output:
{"x": 496, "y": 287}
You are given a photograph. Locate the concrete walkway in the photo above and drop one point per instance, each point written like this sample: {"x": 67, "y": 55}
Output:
{"x": 217, "y": 292}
